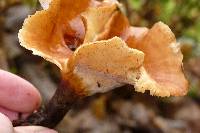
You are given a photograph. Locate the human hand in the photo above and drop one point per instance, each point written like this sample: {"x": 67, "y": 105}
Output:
{"x": 18, "y": 98}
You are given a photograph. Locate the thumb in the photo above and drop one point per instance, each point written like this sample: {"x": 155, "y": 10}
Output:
{"x": 5, "y": 124}
{"x": 33, "y": 129}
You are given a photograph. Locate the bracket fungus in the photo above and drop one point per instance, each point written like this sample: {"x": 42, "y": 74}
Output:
{"x": 97, "y": 50}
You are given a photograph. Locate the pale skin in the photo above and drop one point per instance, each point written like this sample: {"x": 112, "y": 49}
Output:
{"x": 18, "y": 98}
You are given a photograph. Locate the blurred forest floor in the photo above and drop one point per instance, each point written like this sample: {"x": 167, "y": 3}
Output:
{"x": 122, "y": 110}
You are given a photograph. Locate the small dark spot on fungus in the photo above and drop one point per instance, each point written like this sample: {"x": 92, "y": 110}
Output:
{"x": 138, "y": 76}
{"x": 72, "y": 47}
{"x": 72, "y": 41}
{"x": 98, "y": 84}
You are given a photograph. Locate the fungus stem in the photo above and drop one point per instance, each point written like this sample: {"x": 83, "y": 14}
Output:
{"x": 62, "y": 101}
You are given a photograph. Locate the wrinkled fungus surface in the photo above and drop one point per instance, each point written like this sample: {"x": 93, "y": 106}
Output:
{"x": 94, "y": 45}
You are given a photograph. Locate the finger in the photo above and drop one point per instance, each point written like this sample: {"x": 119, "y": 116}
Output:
{"x": 12, "y": 115}
{"x": 5, "y": 125}
{"x": 33, "y": 129}
{"x": 17, "y": 94}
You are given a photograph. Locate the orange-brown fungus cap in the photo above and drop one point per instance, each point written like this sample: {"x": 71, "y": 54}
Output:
{"x": 162, "y": 72}
{"x": 116, "y": 26}
{"x": 47, "y": 32}
{"x": 105, "y": 65}
{"x": 163, "y": 61}
{"x": 97, "y": 50}
{"x": 96, "y": 18}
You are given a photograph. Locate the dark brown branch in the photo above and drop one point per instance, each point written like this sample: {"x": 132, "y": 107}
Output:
{"x": 62, "y": 101}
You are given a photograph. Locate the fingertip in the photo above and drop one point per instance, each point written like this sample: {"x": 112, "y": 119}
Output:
{"x": 18, "y": 94}
{"x": 12, "y": 115}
